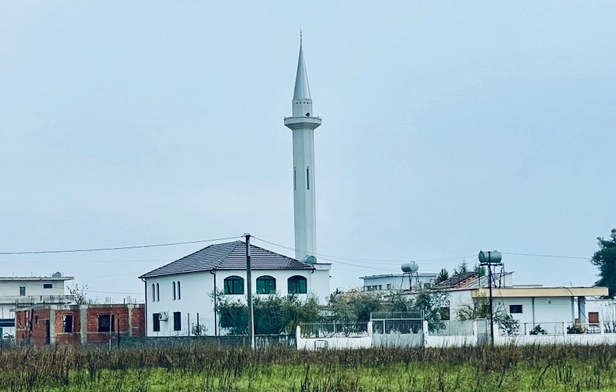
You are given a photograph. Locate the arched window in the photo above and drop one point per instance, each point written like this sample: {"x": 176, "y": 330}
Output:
{"x": 179, "y": 291}
{"x": 234, "y": 285}
{"x": 297, "y": 285}
{"x": 266, "y": 285}
{"x": 157, "y": 292}
{"x": 174, "y": 291}
{"x": 153, "y": 293}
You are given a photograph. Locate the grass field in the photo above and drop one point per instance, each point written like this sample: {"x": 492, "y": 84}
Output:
{"x": 211, "y": 368}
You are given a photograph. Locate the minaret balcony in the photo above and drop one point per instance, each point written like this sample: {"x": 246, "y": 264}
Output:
{"x": 302, "y": 122}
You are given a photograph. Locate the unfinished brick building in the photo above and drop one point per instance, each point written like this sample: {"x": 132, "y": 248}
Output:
{"x": 79, "y": 324}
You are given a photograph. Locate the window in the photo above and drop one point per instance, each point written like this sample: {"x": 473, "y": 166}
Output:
{"x": 266, "y": 285}
{"x": 593, "y": 317}
{"x": 445, "y": 313}
{"x": 67, "y": 323}
{"x": 156, "y": 322}
{"x": 388, "y": 286}
{"x": 22, "y": 291}
{"x": 177, "y": 321}
{"x": 157, "y": 292}
{"x": 297, "y": 285}
{"x": 153, "y": 293}
{"x": 174, "y": 291}
{"x": 234, "y": 285}
{"x": 515, "y": 309}
{"x": 179, "y": 291}
{"x": 105, "y": 322}
{"x": 47, "y": 285}
{"x": 308, "y": 177}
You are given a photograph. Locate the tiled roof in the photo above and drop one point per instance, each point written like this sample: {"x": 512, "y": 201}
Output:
{"x": 458, "y": 280}
{"x": 228, "y": 256}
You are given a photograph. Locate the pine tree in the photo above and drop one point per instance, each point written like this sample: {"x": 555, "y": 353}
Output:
{"x": 605, "y": 260}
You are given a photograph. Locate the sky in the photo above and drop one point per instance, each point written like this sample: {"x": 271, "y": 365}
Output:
{"x": 448, "y": 127}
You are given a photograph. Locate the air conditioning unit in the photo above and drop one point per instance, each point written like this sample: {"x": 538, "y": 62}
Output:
{"x": 163, "y": 316}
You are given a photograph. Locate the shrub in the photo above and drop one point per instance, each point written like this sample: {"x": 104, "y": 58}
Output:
{"x": 537, "y": 330}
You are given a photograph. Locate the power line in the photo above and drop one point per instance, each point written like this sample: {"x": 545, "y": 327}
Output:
{"x": 549, "y": 256}
{"x": 116, "y": 248}
{"x": 80, "y": 261}
{"x": 324, "y": 256}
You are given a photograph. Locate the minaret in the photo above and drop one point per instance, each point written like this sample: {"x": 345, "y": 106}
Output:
{"x": 302, "y": 124}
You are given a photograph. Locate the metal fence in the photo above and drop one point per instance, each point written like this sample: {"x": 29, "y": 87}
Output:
{"x": 411, "y": 315}
{"x": 403, "y": 326}
{"x": 582, "y": 328}
{"x": 333, "y": 329}
{"x": 539, "y": 329}
{"x": 452, "y": 328}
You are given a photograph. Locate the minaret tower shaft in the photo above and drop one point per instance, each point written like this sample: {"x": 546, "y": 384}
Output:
{"x": 302, "y": 124}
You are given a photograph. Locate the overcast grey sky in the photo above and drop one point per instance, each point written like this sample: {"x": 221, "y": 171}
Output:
{"x": 448, "y": 127}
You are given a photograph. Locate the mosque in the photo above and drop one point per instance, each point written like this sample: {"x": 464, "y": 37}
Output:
{"x": 180, "y": 296}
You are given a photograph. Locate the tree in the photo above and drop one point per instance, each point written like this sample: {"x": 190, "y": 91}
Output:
{"x": 431, "y": 303}
{"x": 355, "y": 305}
{"x": 273, "y": 314}
{"x": 462, "y": 268}
{"x": 480, "y": 308}
{"x": 80, "y": 294}
{"x": 442, "y": 276}
{"x": 605, "y": 260}
{"x": 479, "y": 270}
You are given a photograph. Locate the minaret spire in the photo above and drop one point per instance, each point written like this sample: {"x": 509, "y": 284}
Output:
{"x": 302, "y": 124}
{"x": 302, "y": 90}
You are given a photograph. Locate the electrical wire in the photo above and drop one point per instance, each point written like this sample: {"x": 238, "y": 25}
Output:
{"x": 81, "y": 261}
{"x": 116, "y": 248}
{"x": 358, "y": 260}
{"x": 549, "y": 256}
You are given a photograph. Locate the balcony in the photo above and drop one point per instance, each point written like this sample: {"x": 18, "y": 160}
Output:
{"x": 24, "y": 301}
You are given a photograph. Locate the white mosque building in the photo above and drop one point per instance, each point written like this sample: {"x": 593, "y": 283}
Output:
{"x": 180, "y": 295}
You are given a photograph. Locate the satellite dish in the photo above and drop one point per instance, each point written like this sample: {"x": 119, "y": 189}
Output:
{"x": 57, "y": 274}
{"x": 310, "y": 260}
{"x": 410, "y": 267}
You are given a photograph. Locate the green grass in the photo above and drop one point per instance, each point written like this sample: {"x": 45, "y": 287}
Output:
{"x": 212, "y": 368}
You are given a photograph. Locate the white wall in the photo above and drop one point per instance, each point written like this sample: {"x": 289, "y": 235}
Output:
{"x": 534, "y": 310}
{"x": 195, "y": 290}
{"x": 34, "y": 287}
{"x": 319, "y": 282}
{"x": 196, "y": 296}
{"x": 396, "y": 281}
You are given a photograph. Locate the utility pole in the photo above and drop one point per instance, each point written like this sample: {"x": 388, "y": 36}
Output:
{"x": 490, "y": 286}
{"x": 251, "y": 325}
{"x": 490, "y": 258}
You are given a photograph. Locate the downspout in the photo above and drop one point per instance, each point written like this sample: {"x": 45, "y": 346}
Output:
{"x": 215, "y": 310}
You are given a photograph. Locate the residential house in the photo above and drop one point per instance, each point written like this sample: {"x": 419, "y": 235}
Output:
{"x": 530, "y": 305}
{"x": 24, "y": 292}
{"x": 181, "y": 295}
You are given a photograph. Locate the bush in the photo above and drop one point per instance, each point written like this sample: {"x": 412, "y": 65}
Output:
{"x": 537, "y": 330}
{"x": 576, "y": 329}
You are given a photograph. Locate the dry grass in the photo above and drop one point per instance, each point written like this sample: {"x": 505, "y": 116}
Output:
{"x": 213, "y": 368}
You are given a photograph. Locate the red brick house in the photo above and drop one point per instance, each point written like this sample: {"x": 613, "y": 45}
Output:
{"x": 79, "y": 324}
